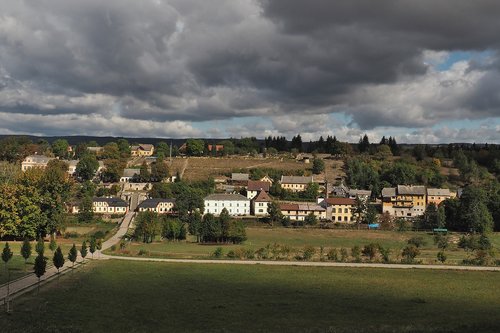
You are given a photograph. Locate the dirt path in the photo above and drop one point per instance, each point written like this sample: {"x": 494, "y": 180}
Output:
{"x": 184, "y": 167}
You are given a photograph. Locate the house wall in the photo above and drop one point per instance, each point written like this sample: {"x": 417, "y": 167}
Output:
{"x": 300, "y": 215}
{"x": 234, "y": 207}
{"x": 260, "y": 208}
{"x": 405, "y": 205}
{"x": 341, "y": 213}
{"x": 294, "y": 187}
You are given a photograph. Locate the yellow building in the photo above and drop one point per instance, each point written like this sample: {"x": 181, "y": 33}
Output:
{"x": 404, "y": 201}
{"x": 142, "y": 150}
{"x": 339, "y": 209}
{"x": 298, "y": 212}
{"x": 295, "y": 183}
{"x": 438, "y": 195}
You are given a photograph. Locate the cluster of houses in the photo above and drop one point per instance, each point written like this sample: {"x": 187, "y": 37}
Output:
{"x": 41, "y": 162}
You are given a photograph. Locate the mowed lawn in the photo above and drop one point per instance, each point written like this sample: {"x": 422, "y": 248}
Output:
{"x": 118, "y": 296}
{"x": 297, "y": 239}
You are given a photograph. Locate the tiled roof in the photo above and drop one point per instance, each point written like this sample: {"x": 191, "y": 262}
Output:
{"x": 263, "y": 197}
{"x": 339, "y": 201}
{"x": 360, "y": 192}
{"x": 388, "y": 192}
{"x": 239, "y": 176}
{"x": 411, "y": 190}
{"x": 153, "y": 203}
{"x": 438, "y": 191}
{"x": 113, "y": 201}
{"x": 303, "y": 206}
{"x": 255, "y": 185}
{"x": 39, "y": 159}
{"x": 226, "y": 197}
{"x": 296, "y": 180}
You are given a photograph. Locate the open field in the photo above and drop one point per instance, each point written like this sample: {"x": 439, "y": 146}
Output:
{"x": 297, "y": 239}
{"x": 158, "y": 297}
{"x": 201, "y": 168}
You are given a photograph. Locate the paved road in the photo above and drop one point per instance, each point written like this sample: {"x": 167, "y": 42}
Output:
{"x": 307, "y": 263}
{"x": 122, "y": 230}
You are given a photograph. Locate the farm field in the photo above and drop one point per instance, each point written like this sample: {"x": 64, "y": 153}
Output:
{"x": 297, "y": 239}
{"x": 162, "y": 297}
{"x": 201, "y": 168}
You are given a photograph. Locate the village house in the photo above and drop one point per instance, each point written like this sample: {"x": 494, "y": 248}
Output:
{"x": 404, "y": 201}
{"x": 295, "y": 183}
{"x": 95, "y": 150}
{"x": 159, "y": 206}
{"x": 260, "y": 204}
{"x": 35, "y": 161}
{"x": 109, "y": 205}
{"x": 236, "y": 204}
{"x": 362, "y": 194}
{"x": 255, "y": 186}
{"x": 268, "y": 179}
{"x": 438, "y": 195}
{"x": 142, "y": 150}
{"x": 339, "y": 209}
{"x": 128, "y": 175}
{"x": 299, "y": 211}
{"x": 239, "y": 178}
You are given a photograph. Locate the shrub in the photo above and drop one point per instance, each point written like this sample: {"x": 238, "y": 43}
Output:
{"x": 231, "y": 255}
{"x": 333, "y": 254}
{"x": 308, "y": 252}
{"x": 71, "y": 235}
{"x": 441, "y": 241}
{"x": 356, "y": 253}
{"x": 370, "y": 250}
{"x": 343, "y": 255}
{"x": 441, "y": 256}
{"x": 123, "y": 244}
{"x": 99, "y": 234}
{"x": 250, "y": 254}
{"x": 113, "y": 248}
{"x": 418, "y": 241}
{"x": 218, "y": 252}
{"x": 385, "y": 252}
{"x": 409, "y": 253}
{"x": 142, "y": 252}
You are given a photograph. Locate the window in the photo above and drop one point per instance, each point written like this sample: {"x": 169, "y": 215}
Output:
{"x": 334, "y": 210}
{"x": 346, "y": 210}
{"x": 339, "y": 218}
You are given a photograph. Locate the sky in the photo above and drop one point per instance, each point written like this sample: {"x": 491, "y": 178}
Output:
{"x": 423, "y": 71}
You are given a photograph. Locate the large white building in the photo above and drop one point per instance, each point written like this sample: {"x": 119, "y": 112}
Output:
{"x": 35, "y": 161}
{"x": 236, "y": 204}
{"x": 160, "y": 206}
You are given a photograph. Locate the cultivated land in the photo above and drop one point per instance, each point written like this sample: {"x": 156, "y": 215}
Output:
{"x": 201, "y": 168}
{"x": 297, "y": 239}
{"x": 115, "y": 296}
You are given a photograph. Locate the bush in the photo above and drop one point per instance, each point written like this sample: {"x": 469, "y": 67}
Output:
{"x": 113, "y": 248}
{"x": 142, "y": 252}
{"x": 409, "y": 253}
{"x": 343, "y": 255}
{"x": 231, "y": 255}
{"x": 370, "y": 250}
{"x": 356, "y": 253}
{"x": 333, "y": 255}
{"x": 99, "y": 234}
{"x": 308, "y": 252}
{"x": 123, "y": 244}
{"x": 441, "y": 256}
{"x": 441, "y": 241}
{"x": 218, "y": 252}
{"x": 418, "y": 241}
{"x": 71, "y": 235}
{"x": 385, "y": 252}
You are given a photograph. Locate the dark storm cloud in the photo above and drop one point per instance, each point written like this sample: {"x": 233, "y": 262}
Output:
{"x": 191, "y": 61}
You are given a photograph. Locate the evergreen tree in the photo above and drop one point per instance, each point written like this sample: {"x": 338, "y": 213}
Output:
{"x": 318, "y": 166}
{"x": 92, "y": 246}
{"x": 73, "y": 254}
{"x": 83, "y": 250}
{"x": 40, "y": 267}
{"x": 364, "y": 144}
{"x": 52, "y": 244}
{"x": 58, "y": 259}
{"x": 26, "y": 251}
{"x": 40, "y": 246}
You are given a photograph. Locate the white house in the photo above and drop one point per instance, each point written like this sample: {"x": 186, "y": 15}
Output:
{"x": 261, "y": 203}
{"x": 109, "y": 205}
{"x": 160, "y": 206}
{"x": 236, "y": 204}
{"x": 35, "y": 161}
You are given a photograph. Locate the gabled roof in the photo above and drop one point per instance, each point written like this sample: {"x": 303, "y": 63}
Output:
{"x": 255, "y": 185}
{"x": 354, "y": 192}
{"x": 131, "y": 172}
{"x": 411, "y": 190}
{"x": 338, "y": 201}
{"x": 226, "y": 197}
{"x": 153, "y": 203}
{"x": 239, "y": 176}
{"x": 296, "y": 180}
{"x": 263, "y": 197}
{"x": 112, "y": 201}
{"x": 302, "y": 206}
{"x": 438, "y": 191}
{"x": 42, "y": 159}
{"x": 142, "y": 146}
{"x": 388, "y": 192}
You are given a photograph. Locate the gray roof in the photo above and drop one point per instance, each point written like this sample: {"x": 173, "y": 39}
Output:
{"x": 438, "y": 191}
{"x": 354, "y": 192}
{"x": 296, "y": 180}
{"x": 411, "y": 190}
{"x": 42, "y": 159}
{"x": 153, "y": 203}
{"x": 239, "y": 176}
{"x": 130, "y": 172}
{"x": 113, "y": 201}
{"x": 388, "y": 192}
{"x": 226, "y": 197}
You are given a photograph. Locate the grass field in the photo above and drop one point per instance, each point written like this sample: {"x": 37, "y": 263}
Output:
{"x": 115, "y": 296}
{"x": 297, "y": 239}
{"x": 201, "y": 168}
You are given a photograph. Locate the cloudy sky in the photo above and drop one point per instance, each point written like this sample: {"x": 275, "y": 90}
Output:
{"x": 420, "y": 70}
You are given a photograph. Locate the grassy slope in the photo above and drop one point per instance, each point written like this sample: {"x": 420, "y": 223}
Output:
{"x": 117, "y": 296}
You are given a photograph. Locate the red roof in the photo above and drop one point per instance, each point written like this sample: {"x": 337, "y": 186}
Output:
{"x": 340, "y": 201}
{"x": 255, "y": 185}
{"x": 286, "y": 206}
{"x": 263, "y": 197}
